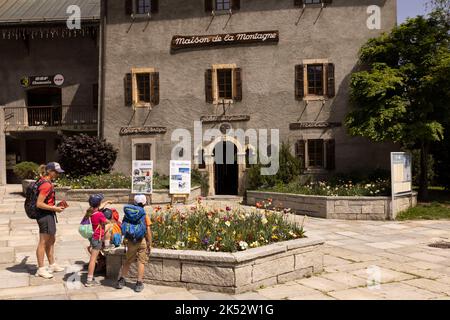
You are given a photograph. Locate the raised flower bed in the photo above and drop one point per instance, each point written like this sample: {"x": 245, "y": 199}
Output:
{"x": 235, "y": 250}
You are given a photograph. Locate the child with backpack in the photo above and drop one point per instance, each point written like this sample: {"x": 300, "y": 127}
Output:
{"x": 116, "y": 226}
{"x": 101, "y": 228}
{"x": 138, "y": 240}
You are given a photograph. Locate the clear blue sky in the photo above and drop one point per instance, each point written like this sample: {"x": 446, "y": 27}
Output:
{"x": 410, "y": 8}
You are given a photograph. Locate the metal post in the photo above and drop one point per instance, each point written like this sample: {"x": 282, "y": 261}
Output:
{"x": 391, "y": 214}
{"x": 2, "y": 147}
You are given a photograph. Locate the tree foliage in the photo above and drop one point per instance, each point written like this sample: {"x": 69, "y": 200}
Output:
{"x": 83, "y": 155}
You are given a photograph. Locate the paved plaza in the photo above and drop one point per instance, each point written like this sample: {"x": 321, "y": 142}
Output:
{"x": 363, "y": 260}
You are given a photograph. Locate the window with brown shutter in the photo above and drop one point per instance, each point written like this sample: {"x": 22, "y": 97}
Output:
{"x": 299, "y": 82}
{"x": 235, "y": 5}
{"x": 315, "y": 79}
{"x": 143, "y": 151}
{"x": 155, "y": 6}
{"x": 128, "y": 90}
{"x": 331, "y": 154}
{"x": 225, "y": 84}
{"x": 209, "y": 5}
{"x": 128, "y": 7}
{"x": 209, "y": 86}
{"x": 300, "y": 152}
{"x": 143, "y": 87}
{"x": 154, "y": 84}
{"x": 222, "y": 5}
{"x": 316, "y": 153}
{"x": 330, "y": 81}
{"x": 237, "y": 84}
{"x": 298, "y": 3}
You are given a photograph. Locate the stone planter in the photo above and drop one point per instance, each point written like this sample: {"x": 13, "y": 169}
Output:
{"x": 349, "y": 208}
{"x": 25, "y": 184}
{"x": 227, "y": 272}
{"x": 119, "y": 195}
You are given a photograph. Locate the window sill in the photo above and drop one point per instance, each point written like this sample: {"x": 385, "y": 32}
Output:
{"x": 141, "y": 15}
{"x": 142, "y": 105}
{"x": 315, "y": 98}
{"x": 221, "y": 12}
{"x": 224, "y": 101}
{"x": 316, "y": 171}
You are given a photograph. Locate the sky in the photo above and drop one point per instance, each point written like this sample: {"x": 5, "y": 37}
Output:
{"x": 410, "y": 8}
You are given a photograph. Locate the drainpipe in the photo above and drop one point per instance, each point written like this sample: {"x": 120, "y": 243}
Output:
{"x": 2, "y": 147}
{"x": 102, "y": 45}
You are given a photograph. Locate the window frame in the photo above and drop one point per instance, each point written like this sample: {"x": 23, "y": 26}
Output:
{"x": 307, "y": 95}
{"x": 316, "y": 153}
{"x": 215, "y": 83}
{"x": 140, "y": 141}
{"x": 222, "y": 10}
{"x": 306, "y": 166}
{"x": 135, "y": 8}
{"x": 135, "y": 89}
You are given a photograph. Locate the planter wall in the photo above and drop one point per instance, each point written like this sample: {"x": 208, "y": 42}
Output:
{"x": 120, "y": 195}
{"x": 349, "y": 208}
{"x": 227, "y": 272}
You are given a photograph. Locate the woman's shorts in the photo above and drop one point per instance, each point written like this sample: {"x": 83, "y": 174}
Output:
{"x": 47, "y": 224}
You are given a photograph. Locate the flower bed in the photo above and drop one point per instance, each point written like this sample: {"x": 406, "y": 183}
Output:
{"x": 226, "y": 230}
{"x": 225, "y": 250}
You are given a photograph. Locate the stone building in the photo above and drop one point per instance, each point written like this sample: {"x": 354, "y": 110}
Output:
{"x": 272, "y": 64}
{"x": 49, "y": 77}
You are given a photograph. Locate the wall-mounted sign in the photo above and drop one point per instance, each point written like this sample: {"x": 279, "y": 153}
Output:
{"x": 224, "y": 118}
{"x": 128, "y": 131}
{"x": 180, "y": 177}
{"x": 142, "y": 177}
{"x": 42, "y": 81}
{"x": 190, "y": 42}
{"x": 313, "y": 125}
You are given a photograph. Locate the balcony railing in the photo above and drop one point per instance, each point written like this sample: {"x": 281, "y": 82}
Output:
{"x": 23, "y": 118}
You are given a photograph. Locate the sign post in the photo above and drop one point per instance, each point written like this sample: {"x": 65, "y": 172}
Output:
{"x": 142, "y": 177}
{"x": 180, "y": 179}
{"x": 401, "y": 177}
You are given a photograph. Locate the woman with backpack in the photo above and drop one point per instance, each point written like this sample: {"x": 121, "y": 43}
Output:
{"x": 46, "y": 219}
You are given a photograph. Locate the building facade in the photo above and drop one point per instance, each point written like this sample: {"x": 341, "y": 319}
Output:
{"x": 248, "y": 64}
{"x": 49, "y": 78}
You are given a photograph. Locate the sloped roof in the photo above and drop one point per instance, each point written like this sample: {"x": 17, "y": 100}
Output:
{"x": 31, "y": 11}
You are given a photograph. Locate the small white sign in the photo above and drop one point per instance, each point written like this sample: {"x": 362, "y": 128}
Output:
{"x": 180, "y": 177}
{"x": 142, "y": 177}
{"x": 58, "y": 80}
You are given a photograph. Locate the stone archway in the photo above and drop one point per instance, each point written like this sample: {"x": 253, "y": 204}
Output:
{"x": 238, "y": 166}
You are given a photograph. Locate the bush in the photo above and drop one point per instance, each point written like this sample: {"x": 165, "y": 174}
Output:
{"x": 224, "y": 230}
{"x": 103, "y": 181}
{"x": 26, "y": 170}
{"x": 83, "y": 155}
{"x": 289, "y": 170}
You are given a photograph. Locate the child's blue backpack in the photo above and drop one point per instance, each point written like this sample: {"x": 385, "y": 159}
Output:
{"x": 134, "y": 227}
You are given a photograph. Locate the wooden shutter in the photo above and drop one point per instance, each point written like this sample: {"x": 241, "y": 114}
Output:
{"x": 331, "y": 90}
{"x": 209, "y": 5}
{"x": 154, "y": 6}
{"x": 327, "y": 1}
{"x": 235, "y": 4}
{"x": 331, "y": 154}
{"x": 237, "y": 84}
{"x": 128, "y": 85}
{"x": 298, "y": 3}
{"x": 300, "y": 151}
{"x": 209, "y": 86}
{"x": 154, "y": 88}
{"x": 299, "y": 82}
{"x": 129, "y": 7}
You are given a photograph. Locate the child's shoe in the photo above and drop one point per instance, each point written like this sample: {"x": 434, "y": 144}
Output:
{"x": 44, "y": 273}
{"x": 139, "y": 286}
{"x": 91, "y": 283}
{"x": 120, "y": 283}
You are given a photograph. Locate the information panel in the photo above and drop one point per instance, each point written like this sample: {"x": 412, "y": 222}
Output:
{"x": 180, "y": 177}
{"x": 401, "y": 173}
{"x": 142, "y": 177}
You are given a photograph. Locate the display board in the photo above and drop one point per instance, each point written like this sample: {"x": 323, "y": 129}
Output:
{"x": 401, "y": 173}
{"x": 142, "y": 177}
{"x": 180, "y": 177}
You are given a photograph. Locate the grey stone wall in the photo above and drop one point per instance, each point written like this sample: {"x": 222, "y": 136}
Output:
{"x": 267, "y": 71}
{"x": 347, "y": 208}
{"x": 227, "y": 272}
{"x": 119, "y": 195}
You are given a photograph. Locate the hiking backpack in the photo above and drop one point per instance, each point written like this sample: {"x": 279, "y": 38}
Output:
{"x": 134, "y": 227}
{"x": 31, "y": 197}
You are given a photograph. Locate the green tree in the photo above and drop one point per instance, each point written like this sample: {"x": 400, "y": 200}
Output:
{"x": 403, "y": 93}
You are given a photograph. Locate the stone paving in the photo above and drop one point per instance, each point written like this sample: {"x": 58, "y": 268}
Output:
{"x": 363, "y": 260}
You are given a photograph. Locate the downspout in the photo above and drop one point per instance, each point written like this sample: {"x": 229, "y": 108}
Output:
{"x": 100, "y": 127}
